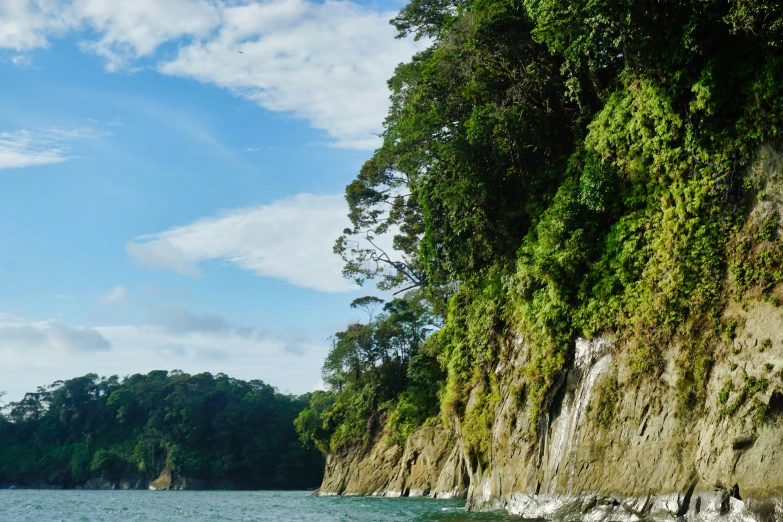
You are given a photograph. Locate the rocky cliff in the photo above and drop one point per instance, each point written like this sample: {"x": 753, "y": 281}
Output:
{"x": 431, "y": 464}
{"x": 606, "y": 446}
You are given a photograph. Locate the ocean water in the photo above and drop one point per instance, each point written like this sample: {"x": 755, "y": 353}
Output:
{"x": 21, "y": 505}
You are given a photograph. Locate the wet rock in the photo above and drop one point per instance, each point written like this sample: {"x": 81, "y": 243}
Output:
{"x": 683, "y": 505}
{"x": 725, "y": 500}
{"x": 589, "y": 504}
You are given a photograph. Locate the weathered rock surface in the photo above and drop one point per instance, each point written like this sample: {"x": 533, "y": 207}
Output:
{"x": 362, "y": 471}
{"x": 432, "y": 464}
{"x": 648, "y": 463}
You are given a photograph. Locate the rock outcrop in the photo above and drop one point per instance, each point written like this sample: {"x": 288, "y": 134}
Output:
{"x": 645, "y": 461}
{"x": 431, "y": 465}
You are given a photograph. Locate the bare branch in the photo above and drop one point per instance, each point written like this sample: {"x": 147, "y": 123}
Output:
{"x": 407, "y": 288}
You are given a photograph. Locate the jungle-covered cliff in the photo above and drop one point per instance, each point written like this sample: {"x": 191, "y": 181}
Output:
{"x": 585, "y": 199}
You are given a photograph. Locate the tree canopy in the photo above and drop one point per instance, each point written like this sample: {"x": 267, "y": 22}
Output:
{"x": 206, "y": 427}
{"x": 379, "y": 368}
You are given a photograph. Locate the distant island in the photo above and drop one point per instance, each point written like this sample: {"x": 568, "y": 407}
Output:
{"x": 163, "y": 430}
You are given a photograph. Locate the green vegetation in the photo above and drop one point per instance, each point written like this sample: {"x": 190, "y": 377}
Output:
{"x": 723, "y": 396}
{"x": 608, "y": 395}
{"x": 730, "y": 327}
{"x": 555, "y": 169}
{"x": 223, "y": 432}
{"x": 752, "y": 386}
{"x": 382, "y": 372}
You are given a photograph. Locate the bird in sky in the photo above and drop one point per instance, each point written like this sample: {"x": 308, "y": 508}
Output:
{"x": 240, "y": 52}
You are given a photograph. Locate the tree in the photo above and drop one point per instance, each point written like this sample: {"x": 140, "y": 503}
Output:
{"x": 377, "y": 209}
{"x": 367, "y": 372}
{"x": 477, "y": 126}
{"x": 367, "y": 303}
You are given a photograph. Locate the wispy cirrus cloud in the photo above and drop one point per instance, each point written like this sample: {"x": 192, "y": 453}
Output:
{"x": 21, "y": 60}
{"x": 324, "y": 62}
{"x": 29, "y": 148}
{"x": 117, "y": 294}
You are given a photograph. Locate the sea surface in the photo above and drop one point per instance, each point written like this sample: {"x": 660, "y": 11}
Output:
{"x": 20, "y": 505}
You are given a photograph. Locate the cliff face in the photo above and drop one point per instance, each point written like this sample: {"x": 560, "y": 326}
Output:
{"x": 432, "y": 464}
{"x": 643, "y": 457}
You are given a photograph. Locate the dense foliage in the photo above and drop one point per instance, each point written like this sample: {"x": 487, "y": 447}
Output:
{"x": 220, "y": 431}
{"x": 382, "y": 368}
{"x": 576, "y": 168}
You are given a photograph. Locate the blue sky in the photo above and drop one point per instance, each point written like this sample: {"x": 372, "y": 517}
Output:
{"x": 169, "y": 202}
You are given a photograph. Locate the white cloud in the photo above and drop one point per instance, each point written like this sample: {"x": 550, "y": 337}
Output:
{"x": 183, "y": 323}
{"x": 21, "y": 60}
{"x": 34, "y": 354}
{"x": 181, "y": 320}
{"x": 25, "y": 149}
{"x": 290, "y": 239}
{"x": 117, "y": 294}
{"x": 133, "y": 29}
{"x": 49, "y": 336}
{"x": 326, "y": 62}
{"x": 25, "y": 24}
{"x": 125, "y": 30}
{"x": 28, "y": 148}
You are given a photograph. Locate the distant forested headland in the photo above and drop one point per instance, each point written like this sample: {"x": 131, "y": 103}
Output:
{"x": 183, "y": 430}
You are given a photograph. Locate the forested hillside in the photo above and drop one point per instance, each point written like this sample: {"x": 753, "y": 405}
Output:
{"x": 213, "y": 431}
{"x": 553, "y": 170}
